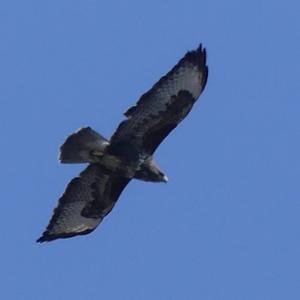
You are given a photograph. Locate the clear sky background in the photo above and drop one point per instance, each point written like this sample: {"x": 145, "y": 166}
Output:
{"x": 227, "y": 225}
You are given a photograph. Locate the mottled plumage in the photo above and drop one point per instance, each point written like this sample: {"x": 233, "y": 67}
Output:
{"x": 129, "y": 153}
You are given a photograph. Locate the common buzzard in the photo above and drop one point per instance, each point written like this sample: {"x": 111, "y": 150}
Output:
{"x": 112, "y": 163}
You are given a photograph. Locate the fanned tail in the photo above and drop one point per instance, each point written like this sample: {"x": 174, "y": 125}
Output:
{"x": 83, "y": 146}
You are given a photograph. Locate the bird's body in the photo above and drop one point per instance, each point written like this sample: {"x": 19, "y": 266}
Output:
{"x": 128, "y": 154}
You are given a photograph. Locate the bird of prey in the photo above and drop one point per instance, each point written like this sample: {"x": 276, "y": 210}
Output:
{"x": 128, "y": 154}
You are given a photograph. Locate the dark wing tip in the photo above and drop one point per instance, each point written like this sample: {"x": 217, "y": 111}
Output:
{"x": 200, "y": 59}
{"x": 40, "y": 240}
{"x": 197, "y": 57}
{"x": 46, "y": 237}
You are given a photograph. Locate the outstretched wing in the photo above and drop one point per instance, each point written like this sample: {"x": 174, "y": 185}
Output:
{"x": 163, "y": 107}
{"x": 85, "y": 202}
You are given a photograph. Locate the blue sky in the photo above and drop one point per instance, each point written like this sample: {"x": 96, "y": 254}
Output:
{"x": 227, "y": 224}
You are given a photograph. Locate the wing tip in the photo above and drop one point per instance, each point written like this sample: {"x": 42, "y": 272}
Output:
{"x": 48, "y": 237}
{"x": 198, "y": 57}
{"x": 42, "y": 239}
{"x": 45, "y": 237}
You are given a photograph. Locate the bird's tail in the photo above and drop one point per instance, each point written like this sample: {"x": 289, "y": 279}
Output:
{"x": 83, "y": 146}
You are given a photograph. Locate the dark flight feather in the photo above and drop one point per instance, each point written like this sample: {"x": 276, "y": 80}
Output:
{"x": 85, "y": 202}
{"x": 162, "y": 108}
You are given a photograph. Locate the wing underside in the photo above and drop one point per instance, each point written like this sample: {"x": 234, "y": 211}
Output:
{"x": 85, "y": 202}
{"x": 164, "y": 106}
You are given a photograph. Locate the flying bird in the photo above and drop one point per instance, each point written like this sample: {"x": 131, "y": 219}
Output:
{"x": 128, "y": 155}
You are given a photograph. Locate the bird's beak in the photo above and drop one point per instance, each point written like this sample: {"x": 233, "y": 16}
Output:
{"x": 165, "y": 179}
